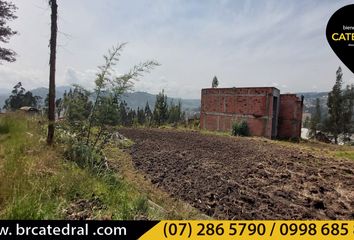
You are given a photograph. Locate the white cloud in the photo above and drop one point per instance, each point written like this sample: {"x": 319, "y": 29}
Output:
{"x": 30, "y": 78}
{"x": 85, "y": 78}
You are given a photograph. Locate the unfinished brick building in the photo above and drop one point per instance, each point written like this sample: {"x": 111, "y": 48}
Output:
{"x": 267, "y": 112}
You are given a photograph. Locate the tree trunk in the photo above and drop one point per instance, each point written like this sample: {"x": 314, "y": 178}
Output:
{"x": 53, "y": 46}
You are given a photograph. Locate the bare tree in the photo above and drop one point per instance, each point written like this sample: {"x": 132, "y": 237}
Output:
{"x": 53, "y": 46}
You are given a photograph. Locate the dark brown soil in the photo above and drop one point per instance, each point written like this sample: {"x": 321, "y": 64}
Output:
{"x": 242, "y": 178}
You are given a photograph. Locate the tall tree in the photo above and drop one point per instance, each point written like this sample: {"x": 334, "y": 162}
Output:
{"x": 77, "y": 105}
{"x": 148, "y": 113}
{"x": 175, "y": 112}
{"x": 7, "y": 10}
{"x": 59, "y": 106}
{"x": 160, "y": 113}
{"x": 307, "y": 122}
{"x": 107, "y": 83}
{"x": 215, "y": 82}
{"x": 53, "y": 47}
{"x": 123, "y": 113}
{"x": 315, "y": 119}
{"x": 20, "y": 98}
{"x": 107, "y": 110}
{"x": 334, "y": 104}
{"x": 141, "y": 116}
{"x": 130, "y": 117}
{"x": 348, "y": 104}
{"x": 340, "y": 108}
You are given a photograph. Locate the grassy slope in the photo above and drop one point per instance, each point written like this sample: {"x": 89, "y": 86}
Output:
{"x": 322, "y": 149}
{"x": 37, "y": 183}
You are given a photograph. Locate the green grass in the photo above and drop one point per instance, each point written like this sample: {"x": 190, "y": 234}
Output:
{"x": 36, "y": 182}
{"x": 346, "y": 154}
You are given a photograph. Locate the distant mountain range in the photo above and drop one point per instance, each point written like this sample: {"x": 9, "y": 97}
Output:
{"x": 310, "y": 101}
{"x": 139, "y": 99}
{"x": 133, "y": 99}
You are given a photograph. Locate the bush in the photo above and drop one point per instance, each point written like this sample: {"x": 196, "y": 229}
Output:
{"x": 86, "y": 157}
{"x": 4, "y": 128}
{"x": 240, "y": 128}
{"x": 6, "y": 124}
{"x": 35, "y": 182}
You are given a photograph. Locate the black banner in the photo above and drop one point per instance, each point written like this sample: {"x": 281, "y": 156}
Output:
{"x": 340, "y": 34}
{"x": 52, "y": 229}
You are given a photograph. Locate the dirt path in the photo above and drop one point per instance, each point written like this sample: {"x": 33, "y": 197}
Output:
{"x": 237, "y": 178}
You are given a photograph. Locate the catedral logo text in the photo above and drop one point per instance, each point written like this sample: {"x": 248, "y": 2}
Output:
{"x": 344, "y": 36}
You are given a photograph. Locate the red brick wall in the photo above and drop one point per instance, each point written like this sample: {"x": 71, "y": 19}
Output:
{"x": 220, "y": 107}
{"x": 290, "y": 116}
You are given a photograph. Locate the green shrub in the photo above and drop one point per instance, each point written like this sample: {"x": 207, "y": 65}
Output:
{"x": 36, "y": 183}
{"x": 86, "y": 156}
{"x": 240, "y": 129}
{"x": 4, "y": 128}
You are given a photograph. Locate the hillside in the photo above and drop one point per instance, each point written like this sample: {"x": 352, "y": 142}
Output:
{"x": 41, "y": 92}
{"x": 139, "y": 99}
{"x": 41, "y": 182}
{"x": 310, "y": 100}
{"x": 133, "y": 99}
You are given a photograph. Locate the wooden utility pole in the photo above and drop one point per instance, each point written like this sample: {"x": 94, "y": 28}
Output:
{"x": 53, "y": 46}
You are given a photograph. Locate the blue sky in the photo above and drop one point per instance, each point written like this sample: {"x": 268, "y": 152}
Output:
{"x": 244, "y": 43}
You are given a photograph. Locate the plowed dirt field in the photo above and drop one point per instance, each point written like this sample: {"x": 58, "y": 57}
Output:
{"x": 242, "y": 178}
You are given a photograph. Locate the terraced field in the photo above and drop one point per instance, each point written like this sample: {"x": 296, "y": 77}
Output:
{"x": 243, "y": 178}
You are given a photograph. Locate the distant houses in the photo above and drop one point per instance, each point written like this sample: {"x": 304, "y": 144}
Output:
{"x": 28, "y": 109}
